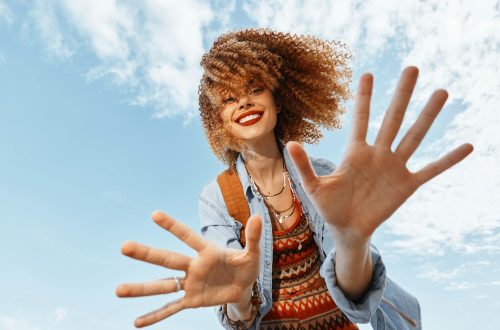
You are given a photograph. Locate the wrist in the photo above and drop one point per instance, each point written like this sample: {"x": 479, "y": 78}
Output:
{"x": 353, "y": 262}
{"x": 246, "y": 313}
{"x": 241, "y": 310}
{"x": 348, "y": 238}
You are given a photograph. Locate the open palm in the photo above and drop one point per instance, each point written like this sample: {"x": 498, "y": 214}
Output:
{"x": 214, "y": 277}
{"x": 372, "y": 181}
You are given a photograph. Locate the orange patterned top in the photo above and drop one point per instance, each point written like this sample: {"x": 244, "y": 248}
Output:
{"x": 300, "y": 297}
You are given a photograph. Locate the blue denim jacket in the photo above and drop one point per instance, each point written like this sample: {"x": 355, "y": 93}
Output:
{"x": 386, "y": 305}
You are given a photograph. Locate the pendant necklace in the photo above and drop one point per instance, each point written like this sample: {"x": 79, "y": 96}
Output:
{"x": 300, "y": 242}
{"x": 265, "y": 198}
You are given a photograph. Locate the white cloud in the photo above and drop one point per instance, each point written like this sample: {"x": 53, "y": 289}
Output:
{"x": 365, "y": 26}
{"x": 437, "y": 275}
{"x": 6, "y": 13}
{"x": 456, "y": 45}
{"x": 469, "y": 275}
{"x": 152, "y": 50}
{"x": 105, "y": 24}
{"x": 42, "y": 20}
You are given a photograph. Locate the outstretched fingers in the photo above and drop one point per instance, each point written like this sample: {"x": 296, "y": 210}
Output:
{"x": 160, "y": 314}
{"x": 163, "y": 286}
{"x": 180, "y": 230}
{"x": 303, "y": 165}
{"x": 361, "y": 113}
{"x": 154, "y": 256}
{"x": 435, "y": 168}
{"x": 395, "y": 113}
{"x": 418, "y": 130}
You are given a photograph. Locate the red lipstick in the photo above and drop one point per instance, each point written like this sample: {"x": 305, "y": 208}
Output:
{"x": 251, "y": 121}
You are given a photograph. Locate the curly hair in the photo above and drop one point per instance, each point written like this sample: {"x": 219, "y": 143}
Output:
{"x": 309, "y": 79}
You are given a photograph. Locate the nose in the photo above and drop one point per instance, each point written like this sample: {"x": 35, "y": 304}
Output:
{"x": 245, "y": 102}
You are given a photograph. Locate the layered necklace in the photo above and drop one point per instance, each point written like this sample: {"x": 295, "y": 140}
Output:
{"x": 281, "y": 215}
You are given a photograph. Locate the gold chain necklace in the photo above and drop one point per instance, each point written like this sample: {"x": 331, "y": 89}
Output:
{"x": 282, "y": 218}
{"x": 265, "y": 198}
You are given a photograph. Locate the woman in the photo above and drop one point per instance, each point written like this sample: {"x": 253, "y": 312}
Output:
{"x": 307, "y": 261}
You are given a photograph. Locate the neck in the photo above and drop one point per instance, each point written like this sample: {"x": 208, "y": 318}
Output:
{"x": 263, "y": 161}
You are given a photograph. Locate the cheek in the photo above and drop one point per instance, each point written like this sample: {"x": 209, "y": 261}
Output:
{"x": 224, "y": 115}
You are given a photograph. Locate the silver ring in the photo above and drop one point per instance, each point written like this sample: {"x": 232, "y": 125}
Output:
{"x": 177, "y": 284}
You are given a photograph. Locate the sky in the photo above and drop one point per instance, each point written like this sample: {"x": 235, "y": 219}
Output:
{"x": 99, "y": 127}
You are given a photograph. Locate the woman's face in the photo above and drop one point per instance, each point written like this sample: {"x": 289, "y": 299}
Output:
{"x": 250, "y": 116}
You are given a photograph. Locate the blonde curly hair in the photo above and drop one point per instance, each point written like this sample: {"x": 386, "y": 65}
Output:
{"x": 309, "y": 79}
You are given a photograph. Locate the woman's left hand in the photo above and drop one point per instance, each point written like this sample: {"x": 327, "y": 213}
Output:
{"x": 372, "y": 181}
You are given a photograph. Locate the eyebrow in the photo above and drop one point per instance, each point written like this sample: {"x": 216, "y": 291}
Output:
{"x": 250, "y": 82}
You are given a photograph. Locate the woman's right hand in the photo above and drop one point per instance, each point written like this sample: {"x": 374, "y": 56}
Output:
{"x": 216, "y": 276}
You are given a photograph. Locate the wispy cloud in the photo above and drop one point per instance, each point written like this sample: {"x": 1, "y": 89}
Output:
{"x": 43, "y": 20}
{"x": 6, "y": 13}
{"x": 438, "y": 275}
{"x": 469, "y": 275}
{"x": 456, "y": 45}
{"x": 467, "y": 285}
{"x": 152, "y": 51}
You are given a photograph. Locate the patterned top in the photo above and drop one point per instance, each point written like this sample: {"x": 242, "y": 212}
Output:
{"x": 300, "y": 297}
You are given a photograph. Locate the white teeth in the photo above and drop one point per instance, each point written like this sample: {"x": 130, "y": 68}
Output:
{"x": 250, "y": 117}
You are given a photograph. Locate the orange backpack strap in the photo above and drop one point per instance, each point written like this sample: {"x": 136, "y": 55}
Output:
{"x": 234, "y": 197}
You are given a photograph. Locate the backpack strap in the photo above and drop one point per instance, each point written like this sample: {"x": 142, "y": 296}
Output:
{"x": 234, "y": 197}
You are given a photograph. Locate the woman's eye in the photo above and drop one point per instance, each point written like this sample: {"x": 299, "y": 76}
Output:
{"x": 256, "y": 90}
{"x": 228, "y": 100}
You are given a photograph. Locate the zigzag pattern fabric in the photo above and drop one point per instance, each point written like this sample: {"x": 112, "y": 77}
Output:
{"x": 300, "y": 297}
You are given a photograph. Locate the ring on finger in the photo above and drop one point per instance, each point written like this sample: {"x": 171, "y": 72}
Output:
{"x": 177, "y": 284}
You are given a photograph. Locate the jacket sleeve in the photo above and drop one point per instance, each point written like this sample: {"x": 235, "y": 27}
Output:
{"x": 385, "y": 305}
{"x": 220, "y": 228}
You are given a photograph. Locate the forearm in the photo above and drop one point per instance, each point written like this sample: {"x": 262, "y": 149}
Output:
{"x": 353, "y": 264}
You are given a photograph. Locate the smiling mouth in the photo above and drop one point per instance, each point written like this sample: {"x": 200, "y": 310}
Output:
{"x": 249, "y": 118}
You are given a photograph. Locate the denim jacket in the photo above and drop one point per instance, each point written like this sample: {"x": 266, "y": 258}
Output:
{"x": 386, "y": 305}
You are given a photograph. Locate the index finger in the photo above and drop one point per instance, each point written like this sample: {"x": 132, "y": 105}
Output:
{"x": 180, "y": 230}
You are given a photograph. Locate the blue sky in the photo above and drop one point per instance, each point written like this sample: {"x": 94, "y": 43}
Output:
{"x": 99, "y": 127}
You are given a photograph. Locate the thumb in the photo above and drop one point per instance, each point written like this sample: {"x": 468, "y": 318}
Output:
{"x": 253, "y": 232}
{"x": 302, "y": 163}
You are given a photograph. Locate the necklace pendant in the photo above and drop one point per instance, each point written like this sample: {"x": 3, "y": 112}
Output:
{"x": 300, "y": 246}
{"x": 280, "y": 220}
